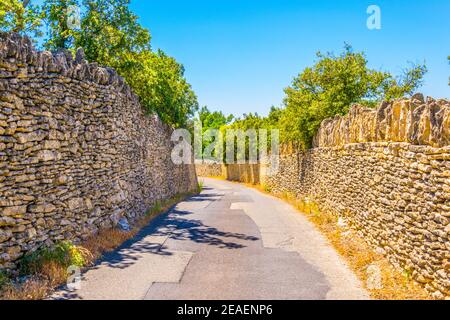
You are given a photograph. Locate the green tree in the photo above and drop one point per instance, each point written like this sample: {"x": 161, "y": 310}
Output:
{"x": 248, "y": 121}
{"x": 111, "y": 35}
{"x": 171, "y": 96}
{"x": 21, "y": 17}
{"x": 213, "y": 120}
{"x": 160, "y": 83}
{"x": 272, "y": 121}
{"x": 332, "y": 85}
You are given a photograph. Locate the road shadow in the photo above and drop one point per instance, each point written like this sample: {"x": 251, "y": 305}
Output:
{"x": 181, "y": 229}
{"x": 203, "y": 197}
{"x": 176, "y": 225}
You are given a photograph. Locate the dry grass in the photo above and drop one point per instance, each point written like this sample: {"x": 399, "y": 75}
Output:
{"x": 109, "y": 239}
{"x": 359, "y": 255}
{"x": 41, "y": 272}
{"x": 105, "y": 241}
{"x": 46, "y": 274}
{"x": 53, "y": 273}
{"x": 34, "y": 288}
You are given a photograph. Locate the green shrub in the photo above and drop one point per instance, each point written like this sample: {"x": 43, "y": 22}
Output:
{"x": 4, "y": 279}
{"x": 63, "y": 253}
{"x": 200, "y": 186}
{"x": 267, "y": 188}
{"x": 157, "y": 208}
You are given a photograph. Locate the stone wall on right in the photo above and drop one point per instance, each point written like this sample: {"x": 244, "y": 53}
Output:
{"x": 387, "y": 173}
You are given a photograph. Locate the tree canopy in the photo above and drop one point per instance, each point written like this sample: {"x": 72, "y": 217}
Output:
{"x": 56, "y": 14}
{"x": 21, "y": 17}
{"x": 213, "y": 120}
{"x": 328, "y": 88}
{"x": 110, "y": 34}
{"x": 332, "y": 85}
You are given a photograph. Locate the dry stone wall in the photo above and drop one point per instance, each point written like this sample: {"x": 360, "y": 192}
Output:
{"x": 77, "y": 153}
{"x": 247, "y": 173}
{"x": 209, "y": 169}
{"x": 414, "y": 120}
{"x": 387, "y": 172}
{"x": 396, "y": 195}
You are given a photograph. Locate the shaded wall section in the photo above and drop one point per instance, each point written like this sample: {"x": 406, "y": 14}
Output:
{"x": 77, "y": 152}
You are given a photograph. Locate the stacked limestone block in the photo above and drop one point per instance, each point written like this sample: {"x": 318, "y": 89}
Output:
{"x": 415, "y": 121}
{"x": 387, "y": 172}
{"x": 209, "y": 169}
{"x": 77, "y": 153}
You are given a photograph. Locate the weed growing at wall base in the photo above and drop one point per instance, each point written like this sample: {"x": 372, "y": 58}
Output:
{"x": 64, "y": 254}
{"x": 200, "y": 186}
{"x": 42, "y": 270}
{"x": 4, "y": 279}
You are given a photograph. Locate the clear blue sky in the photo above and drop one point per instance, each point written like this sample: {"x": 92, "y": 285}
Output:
{"x": 240, "y": 55}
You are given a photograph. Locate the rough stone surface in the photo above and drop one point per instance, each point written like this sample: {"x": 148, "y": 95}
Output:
{"x": 409, "y": 120}
{"x": 233, "y": 172}
{"x": 396, "y": 195}
{"x": 77, "y": 153}
{"x": 208, "y": 169}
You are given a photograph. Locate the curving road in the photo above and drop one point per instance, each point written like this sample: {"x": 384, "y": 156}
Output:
{"x": 229, "y": 242}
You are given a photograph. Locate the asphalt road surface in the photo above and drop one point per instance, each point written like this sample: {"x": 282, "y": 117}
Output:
{"x": 230, "y": 242}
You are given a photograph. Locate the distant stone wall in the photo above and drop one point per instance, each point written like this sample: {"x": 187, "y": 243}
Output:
{"x": 246, "y": 173}
{"x": 387, "y": 173}
{"x": 77, "y": 152}
{"x": 209, "y": 169}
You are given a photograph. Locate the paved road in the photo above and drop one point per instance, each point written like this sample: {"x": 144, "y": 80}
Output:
{"x": 229, "y": 242}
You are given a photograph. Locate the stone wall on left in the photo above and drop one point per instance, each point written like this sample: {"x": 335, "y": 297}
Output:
{"x": 77, "y": 152}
